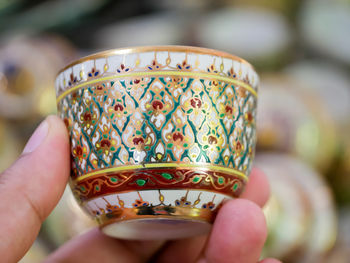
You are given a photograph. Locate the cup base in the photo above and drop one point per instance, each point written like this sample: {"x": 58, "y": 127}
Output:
{"x": 156, "y": 214}
{"x": 156, "y": 228}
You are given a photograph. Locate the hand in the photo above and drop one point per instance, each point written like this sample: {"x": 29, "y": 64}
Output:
{"x": 33, "y": 185}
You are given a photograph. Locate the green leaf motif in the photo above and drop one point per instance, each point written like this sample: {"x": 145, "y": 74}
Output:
{"x": 113, "y": 179}
{"x": 140, "y": 182}
{"x": 167, "y": 176}
{"x": 196, "y": 179}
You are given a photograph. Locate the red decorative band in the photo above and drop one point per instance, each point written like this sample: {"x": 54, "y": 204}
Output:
{"x": 158, "y": 178}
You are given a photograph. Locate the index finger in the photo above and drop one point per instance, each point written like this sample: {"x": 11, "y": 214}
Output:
{"x": 31, "y": 188}
{"x": 258, "y": 188}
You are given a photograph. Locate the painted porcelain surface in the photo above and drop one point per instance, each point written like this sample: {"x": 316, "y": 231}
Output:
{"x": 169, "y": 129}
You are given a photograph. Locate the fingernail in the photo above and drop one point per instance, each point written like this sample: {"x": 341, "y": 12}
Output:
{"x": 37, "y": 138}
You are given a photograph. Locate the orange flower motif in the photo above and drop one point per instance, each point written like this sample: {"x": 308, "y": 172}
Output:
{"x": 100, "y": 89}
{"x": 106, "y": 144}
{"x": 75, "y": 97}
{"x": 68, "y": 123}
{"x": 79, "y": 153}
{"x": 178, "y": 140}
{"x": 136, "y": 86}
{"x": 176, "y": 85}
{"x": 238, "y": 147}
{"x": 213, "y": 142}
{"x": 117, "y": 110}
{"x": 242, "y": 92}
{"x": 195, "y": 106}
{"x": 88, "y": 119}
{"x": 249, "y": 118}
{"x": 157, "y": 107}
{"x": 196, "y": 103}
{"x": 138, "y": 143}
{"x": 228, "y": 113}
{"x": 139, "y": 82}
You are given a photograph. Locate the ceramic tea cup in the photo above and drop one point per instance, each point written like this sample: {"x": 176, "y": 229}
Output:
{"x": 160, "y": 136}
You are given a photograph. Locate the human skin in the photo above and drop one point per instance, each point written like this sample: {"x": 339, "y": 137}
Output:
{"x": 33, "y": 185}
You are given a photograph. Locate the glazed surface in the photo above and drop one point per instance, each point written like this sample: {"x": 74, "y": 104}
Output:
{"x": 164, "y": 132}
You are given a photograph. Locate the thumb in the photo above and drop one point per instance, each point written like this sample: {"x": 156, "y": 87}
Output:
{"x": 31, "y": 188}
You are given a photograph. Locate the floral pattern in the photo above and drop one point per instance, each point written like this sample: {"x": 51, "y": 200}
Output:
{"x": 120, "y": 129}
{"x": 159, "y": 110}
{"x": 168, "y": 121}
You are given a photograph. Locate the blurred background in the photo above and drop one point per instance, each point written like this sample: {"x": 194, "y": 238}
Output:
{"x": 301, "y": 50}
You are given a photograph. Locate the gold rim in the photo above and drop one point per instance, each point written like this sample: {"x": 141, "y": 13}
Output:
{"x": 177, "y": 213}
{"x": 170, "y": 48}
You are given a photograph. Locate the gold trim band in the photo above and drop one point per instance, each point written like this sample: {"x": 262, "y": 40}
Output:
{"x": 163, "y": 165}
{"x": 167, "y": 48}
{"x": 160, "y": 73}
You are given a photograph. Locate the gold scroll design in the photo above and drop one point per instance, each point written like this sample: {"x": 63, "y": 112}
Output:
{"x": 161, "y": 178}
